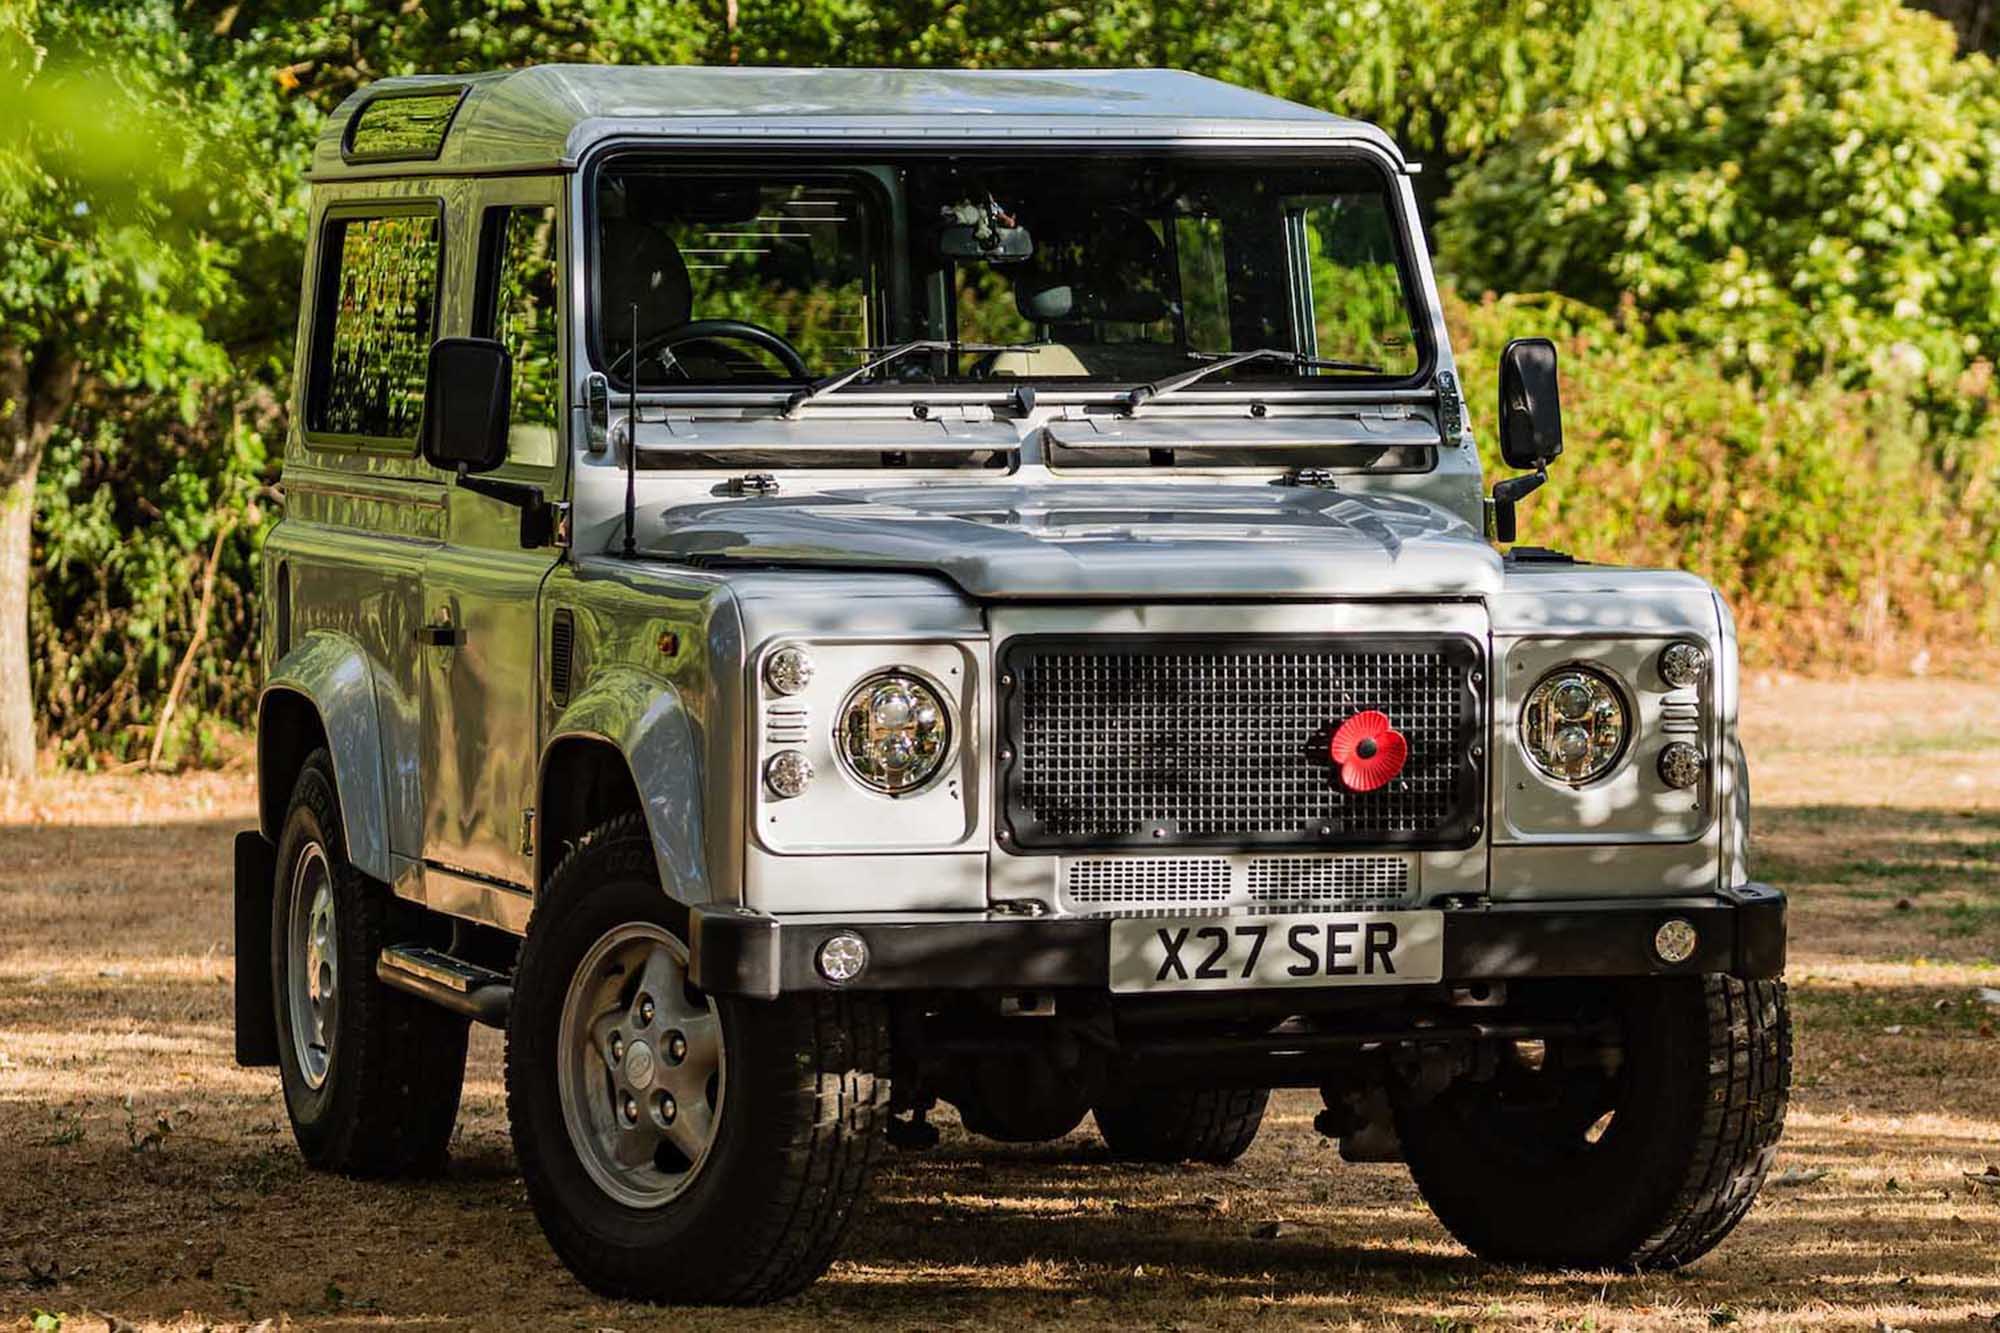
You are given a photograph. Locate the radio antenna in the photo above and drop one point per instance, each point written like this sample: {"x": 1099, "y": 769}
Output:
{"x": 632, "y": 440}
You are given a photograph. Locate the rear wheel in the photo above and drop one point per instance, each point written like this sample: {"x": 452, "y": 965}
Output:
{"x": 1640, "y": 1151}
{"x": 1182, "y": 1124}
{"x": 679, "y": 1146}
{"x": 371, "y": 1075}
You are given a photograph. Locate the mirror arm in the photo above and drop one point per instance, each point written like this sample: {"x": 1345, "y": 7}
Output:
{"x": 1507, "y": 492}
{"x": 537, "y": 514}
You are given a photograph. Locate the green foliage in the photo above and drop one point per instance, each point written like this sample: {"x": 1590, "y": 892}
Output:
{"x": 1817, "y": 510}
{"x": 1773, "y": 230}
{"x": 1819, "y": 190}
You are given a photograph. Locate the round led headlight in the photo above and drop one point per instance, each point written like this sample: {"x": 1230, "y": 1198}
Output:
{"x": 894, "y": 732}
{"x": 1574, "y": 725}
{"x": 788, "y": 670}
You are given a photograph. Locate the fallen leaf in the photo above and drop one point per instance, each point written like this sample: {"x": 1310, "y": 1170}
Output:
{"x": 1791, "y": 1176}
{"x": 1904, "y": 904}
{"x": 1270, "y": 1230}
{"x": 1893, "y": 1030}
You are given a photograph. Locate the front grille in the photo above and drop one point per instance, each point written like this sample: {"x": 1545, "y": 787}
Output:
{"x": 1242, "y": 883}
{"x": 1185, "y": 741}
{"x": 1370, "y": 881}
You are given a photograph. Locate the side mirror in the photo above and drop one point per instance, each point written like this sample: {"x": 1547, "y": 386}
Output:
{"x": 467, "y": 404}
{"x": 1531, "y": 421}
{"x": 1531, "y": 427}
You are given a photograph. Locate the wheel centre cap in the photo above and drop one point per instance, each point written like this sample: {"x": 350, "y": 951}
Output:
{"x": 639, "y": 1065}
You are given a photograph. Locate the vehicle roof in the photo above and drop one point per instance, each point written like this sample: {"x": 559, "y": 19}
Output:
{"x": 547, "y": 117}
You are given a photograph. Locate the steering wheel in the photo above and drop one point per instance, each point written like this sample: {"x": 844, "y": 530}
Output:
{"x": 727, "y": 329}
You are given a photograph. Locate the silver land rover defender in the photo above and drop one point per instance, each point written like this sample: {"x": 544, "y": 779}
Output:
{"x": 808, "y": 594}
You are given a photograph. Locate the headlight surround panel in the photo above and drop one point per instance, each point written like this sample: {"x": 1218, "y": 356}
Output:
{"x": 851, "y": 804}
{"x": 1624, "y": 799}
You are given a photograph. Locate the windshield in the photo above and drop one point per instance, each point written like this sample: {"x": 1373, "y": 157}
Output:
{"x": 1071, "y": 272}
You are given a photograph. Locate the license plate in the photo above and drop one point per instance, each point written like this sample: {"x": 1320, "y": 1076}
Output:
{"x": 1245, "y": 952}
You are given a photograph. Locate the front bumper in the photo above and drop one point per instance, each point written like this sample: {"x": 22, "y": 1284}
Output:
{"x": 738, "y": 951}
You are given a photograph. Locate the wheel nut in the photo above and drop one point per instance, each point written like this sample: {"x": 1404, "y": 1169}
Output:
{"x": 677, "y": 1047}
{"x": 666, "y": 1108}
{"x": 617, "y": 1047}
{"x": 629, "y": 1109}
{"x": 645, "y": 1010}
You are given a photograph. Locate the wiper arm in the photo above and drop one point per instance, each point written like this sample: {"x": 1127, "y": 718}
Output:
{"x": 1174, "y": 384}
{"x": 819, "y": 388}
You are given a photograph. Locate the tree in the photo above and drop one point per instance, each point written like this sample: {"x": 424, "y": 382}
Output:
{"x": 106, "y": 273}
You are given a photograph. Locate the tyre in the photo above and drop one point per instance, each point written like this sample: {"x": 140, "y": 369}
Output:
{"x": 680, "y": 1147}
{"x": 371, "y": 1075}
{"x": 1020, "y": 1099}
{"x": 1639, "y": 1155}
{"x": 1182, "y": 1124}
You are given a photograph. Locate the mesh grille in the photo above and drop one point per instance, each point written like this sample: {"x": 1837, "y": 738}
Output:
{"x": 1148, "y": 879}
{"x": 1162, "y": 742}
{"x": 1372, "y": 880}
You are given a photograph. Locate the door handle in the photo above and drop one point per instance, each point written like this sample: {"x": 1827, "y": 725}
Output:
{"x": 441, "y": 633}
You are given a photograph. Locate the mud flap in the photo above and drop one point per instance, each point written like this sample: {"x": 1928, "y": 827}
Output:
{"x": 256, "y": 1020}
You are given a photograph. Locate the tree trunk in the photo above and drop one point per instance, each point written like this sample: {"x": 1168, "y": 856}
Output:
{"x": 17, "y": 699}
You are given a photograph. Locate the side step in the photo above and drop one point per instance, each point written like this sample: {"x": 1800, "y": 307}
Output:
{"x": 479, "y": 993}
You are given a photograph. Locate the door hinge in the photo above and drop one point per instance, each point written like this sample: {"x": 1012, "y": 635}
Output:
{"x": 528, "y": 832}
{"x": 1451, "y": 408}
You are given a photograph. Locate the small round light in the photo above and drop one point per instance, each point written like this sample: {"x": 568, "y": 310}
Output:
{"x": 1683, "y": 664}
{"x": 787, "y": 773}
{"x": 1675, "y": 941}
{"x": 1574, "y": 725}
{"x": 789, "y": 670}
{"x": 1680, "y": 765}
{"x": 894, "y": 732}
{"x": 841, "y": 957}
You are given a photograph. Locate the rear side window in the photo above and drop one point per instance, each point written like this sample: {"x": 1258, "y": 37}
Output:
{"x": 376, "y": 317}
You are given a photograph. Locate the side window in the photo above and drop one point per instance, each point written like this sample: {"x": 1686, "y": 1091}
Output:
{"x": 376, "y": 316}
{"x": 519, "y": 305}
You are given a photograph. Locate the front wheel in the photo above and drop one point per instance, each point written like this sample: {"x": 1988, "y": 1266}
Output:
{"x": 678, "y": 1146}
{"x": 1639, "y": 1148}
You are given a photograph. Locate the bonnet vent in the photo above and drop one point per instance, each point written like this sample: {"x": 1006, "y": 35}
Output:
{"x": 562, "y": 640}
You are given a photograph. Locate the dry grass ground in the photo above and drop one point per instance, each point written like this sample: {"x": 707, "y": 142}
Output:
{"x": 143, "y": 1178}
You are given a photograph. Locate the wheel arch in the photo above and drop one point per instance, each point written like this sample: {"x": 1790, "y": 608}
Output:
{"x": 625, "y": 744}
{"x": 323, "y": 694}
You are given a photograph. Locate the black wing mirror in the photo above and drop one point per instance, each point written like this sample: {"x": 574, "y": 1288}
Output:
{"x": 467, "y": 403}
{"x": 1531, "y": 426}
{"x": 468, "y": 411}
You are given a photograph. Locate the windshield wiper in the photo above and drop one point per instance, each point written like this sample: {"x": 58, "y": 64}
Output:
{"x": 819, "y": 388}
{"x": 1157, "y": 389}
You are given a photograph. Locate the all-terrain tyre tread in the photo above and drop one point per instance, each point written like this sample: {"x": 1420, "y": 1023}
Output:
{"x": 1750, "y": 1053}
{"x": 1215, "y": 1125}
{"x": 401, "y": 1082}
{"x": 785, "y": 1240}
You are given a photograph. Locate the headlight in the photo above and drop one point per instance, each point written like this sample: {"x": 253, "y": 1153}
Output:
{"x": 1574, "y": 725}
{"x": 894, "y": 732}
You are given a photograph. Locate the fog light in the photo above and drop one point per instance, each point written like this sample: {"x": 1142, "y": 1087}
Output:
{"x": 1680, "y": 765}
{"x": 841, "y": 957}
{"x": 787, "y": 773}
{"x": 1674, "y": 941}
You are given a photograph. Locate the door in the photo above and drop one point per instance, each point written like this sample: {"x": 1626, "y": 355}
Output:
{"x": 481, "y": 588}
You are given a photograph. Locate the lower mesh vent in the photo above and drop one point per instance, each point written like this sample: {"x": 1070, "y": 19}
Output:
{"x": 1167, "y": 879}
{"x": 1329, "y": 879}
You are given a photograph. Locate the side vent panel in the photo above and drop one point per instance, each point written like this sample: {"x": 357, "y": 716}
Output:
{"x": 562, "y": 642}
